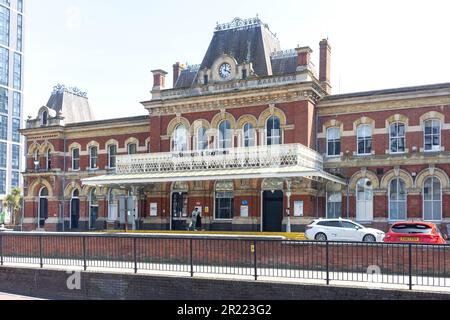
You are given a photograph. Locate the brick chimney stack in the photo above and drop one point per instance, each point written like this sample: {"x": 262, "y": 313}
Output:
{"x": 303, "y": 58}
{"x": 325, "y": 65}
{"x": 177, "y": 68}
{"x": 159, "y": 80}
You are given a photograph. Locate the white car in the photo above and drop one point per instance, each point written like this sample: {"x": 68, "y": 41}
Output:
{"x": 342, "y": 230}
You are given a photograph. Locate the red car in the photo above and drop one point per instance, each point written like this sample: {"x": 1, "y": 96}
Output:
{"x": 415, "y": 232}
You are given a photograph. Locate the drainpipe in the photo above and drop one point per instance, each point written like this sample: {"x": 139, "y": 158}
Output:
{"x": 63, "y": 186}
{"x": 348, "y": 198}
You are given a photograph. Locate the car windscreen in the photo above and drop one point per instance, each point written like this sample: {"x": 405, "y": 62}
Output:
{"x": 412, "y": 228}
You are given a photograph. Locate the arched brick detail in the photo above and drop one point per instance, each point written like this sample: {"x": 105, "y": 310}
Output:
{"x": 33, "y": 148}
{"x": 364, "y": 175}
{"x": 36, "y": 186}
{"x": 392, "y": 175}
{"x": 110, "y": 142}
{"x": 397, "y": 118}
{"x": 46, "y": 146}
{"x": 363, "y": 121}
{"x": 197, "y": 124}
{"x": 70, "y": 188}
{"x": 93, "y": 144}
{"x": 269, "y": 112}
{"x": 332, "y": 124}
{"x": 218, "y": 118}
{"x": 246, "y": 119}
{"x": 432, "y": 115}
{"x": 175, "y": 123}
{"x": 74, "y": 145}
{"x": 131, "y": 140}
{"x": 435, "y": 172}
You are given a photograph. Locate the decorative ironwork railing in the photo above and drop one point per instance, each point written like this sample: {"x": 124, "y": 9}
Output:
{"x": 235, "y": 158}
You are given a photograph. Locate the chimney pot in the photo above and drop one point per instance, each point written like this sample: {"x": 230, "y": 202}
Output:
{"x": 159, "y": 80}
{"x": 325, "y": 65}
{"x": 303, "y": 58}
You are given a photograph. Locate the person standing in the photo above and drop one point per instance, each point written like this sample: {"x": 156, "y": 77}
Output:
{"x": 198, "y": 225}
{"x": 193, "y": 226}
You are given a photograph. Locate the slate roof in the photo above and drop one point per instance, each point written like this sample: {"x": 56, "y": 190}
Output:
{"x": 72, "y": 103}
{"x": 252, "y": 44}
{"x": 186, "y": 79}
{"x": 284, "y": 65}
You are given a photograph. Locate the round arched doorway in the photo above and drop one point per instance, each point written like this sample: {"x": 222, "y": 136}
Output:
{"x": 43, "y": 207}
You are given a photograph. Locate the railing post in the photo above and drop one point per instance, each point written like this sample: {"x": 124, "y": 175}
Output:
{"x": 40, "y": 252}
{"x": 135, "y": 255}
{"x": 328, "y": 262}
{"x": 255, "y": 260}
{"x": 410, "y": 266}
{"x": 84, "y": 254}
{"x": 191, "y": 256}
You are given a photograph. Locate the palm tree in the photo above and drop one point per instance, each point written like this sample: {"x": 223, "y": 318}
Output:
{"x": 13, "y": 202}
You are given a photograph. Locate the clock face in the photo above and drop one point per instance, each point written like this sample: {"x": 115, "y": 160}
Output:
{"x": 225, "y": 70}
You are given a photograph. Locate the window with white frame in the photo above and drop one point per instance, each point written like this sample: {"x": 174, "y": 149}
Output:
{"x": 224, "y": 205}
{"x": 180, "y": 139}
{"x": 432, "y": 199}
{"x": 249, "y": 136}
{"x": 112, "y": 154}
{"x": 432, "y": 134}
{"x": 75, "y": 159}
{"x": 273, "y": 130}
{"x": 132, "y": 148}
{"x": 225, "y": 140}
{"x": 397, "y": 137}
{"x": 93, "y": 158}
{"x": 333, "y": 142}
{"x": 364, "y": 133}
{"x": 334, "y": 201}
{"x": 202, "y": 139}
{"x": 397, "y": 200}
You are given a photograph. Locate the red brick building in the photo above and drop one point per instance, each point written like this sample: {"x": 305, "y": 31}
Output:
{"x": 253, "y": 138}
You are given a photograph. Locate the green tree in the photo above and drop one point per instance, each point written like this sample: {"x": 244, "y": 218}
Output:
{"x": 13, "y": 202}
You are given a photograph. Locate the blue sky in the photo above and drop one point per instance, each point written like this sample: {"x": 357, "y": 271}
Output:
{"x": 109, "y": 47}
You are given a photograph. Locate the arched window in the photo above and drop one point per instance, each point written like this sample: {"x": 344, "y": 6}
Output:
{"x": 432, "y": 199}
{"x": 397, "y": 137}
{"x": 112, "y": 154}
{"x": 44, "y": 118}
{"x": 93, "y": 208}
{"x": 113, "y": 201}
{"x": 273, "y": 129}
{"x": 249, "y": 136}
{"x": 75, "y": 159}
{"x": 333, "y": 142}
{"x": 93, "y": 158}
{"x": 432, "y": 135}
{"x": 202, "y": 139}
{"x": 334, "y": 201}
{"x": 180, "y": 139}
{"x": 132, "y": 148}
{"x": 75, "y": 209}
{"x": 364, "y": 139}
{"x": 225, "y": 135}
{"x": 43, "y": 207}
{"x": 364, "y": 200}
{"x": 397, "y": 200}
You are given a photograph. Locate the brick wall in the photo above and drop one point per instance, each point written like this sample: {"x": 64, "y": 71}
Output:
{"x": 52, "y": 284}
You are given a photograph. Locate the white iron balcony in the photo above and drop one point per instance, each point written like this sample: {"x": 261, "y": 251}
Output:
{"x": 279, "y": 156}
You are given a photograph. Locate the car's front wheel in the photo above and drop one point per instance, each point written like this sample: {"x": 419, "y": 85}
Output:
{"x": 370, "y": 238}
{"x": 321, "y": 237}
